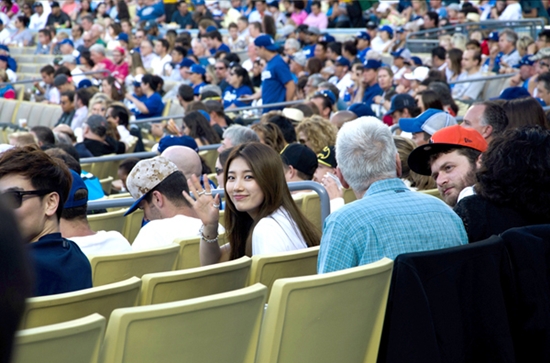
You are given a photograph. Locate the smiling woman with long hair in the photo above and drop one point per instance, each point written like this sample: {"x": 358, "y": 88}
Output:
{"x": 260, "y": 216}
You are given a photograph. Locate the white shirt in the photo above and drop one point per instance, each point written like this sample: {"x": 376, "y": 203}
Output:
{"x": 12, "y": 77}
{"x": 5, "y": 35}
{"x": 79, "y": 117}
{"x": 471, "y": 90}
{"x": 158, "y": 64}
{"x": 163, "y": 232}
{"x": 148, "y": 60}
{"x": 344, "y": 84}
{"x": 38, "y": 22}
{"x": 103, "y": 242}
{"x": 512, "y": 12}
{"x": 276, "y": 233}
{"x": 256, "y": 16}
{"x": 379, "y": 45}
{"x": 77, "y": 76}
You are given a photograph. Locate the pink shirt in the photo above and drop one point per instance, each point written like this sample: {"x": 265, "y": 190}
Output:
{"x": 121, "y": 71}
{"x": 320, "y": 21}
{"x": 299, "y": 18}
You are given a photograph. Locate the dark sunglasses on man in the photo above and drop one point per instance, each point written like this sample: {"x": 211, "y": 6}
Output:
{"x": 14, "y": 198}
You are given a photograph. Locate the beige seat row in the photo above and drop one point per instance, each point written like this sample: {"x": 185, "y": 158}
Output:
{"x": 35, "y": 114}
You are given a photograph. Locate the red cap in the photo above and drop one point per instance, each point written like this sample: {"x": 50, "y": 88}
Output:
{"x": 458, "y": 135}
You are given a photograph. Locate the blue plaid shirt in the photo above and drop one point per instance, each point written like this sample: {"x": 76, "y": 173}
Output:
{"x": 388, "y": 221}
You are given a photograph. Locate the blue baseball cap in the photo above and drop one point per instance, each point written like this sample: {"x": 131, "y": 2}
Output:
{"x": 4, "y": 47}
{"x": 386, "y": 28}
{"x": 67, "y": 41}
{"x": 76, "y": 185}
{"x": 372, "y": 64}
{"x": 525, "y": 61}
{"x": 493, "y": 37}
{"x": 123, "y": 37}
{"x": 195, "y": 68}
{"x": 211, "y": 28}
{"x": 363, "y": 35}
{"x": 199, "y": 2}
{"x": 361, "y": 109}
{"x": 400, "y": 102}
{"x": 186, "y": 62}
{"x": 400, "y": 30}
{"x": 4, "y": 58}
{"x": 342, "y": 61}
{"x": 512, "y": 93}
{"x": 205, "y": 114}
{"x": 416, "y": 60}
{"x": 171, "y": 140}
{"x": 428, "y": 121}
{"x": 402, "y": 53}
{"x": 326, "y": 94}
{"x": 36, "y": 4}
{"x": 267, "y": 42}
{"x": 327, "y": 38}
{"x": 85, "y": 83}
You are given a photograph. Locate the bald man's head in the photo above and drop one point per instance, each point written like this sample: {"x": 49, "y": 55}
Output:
{"x": 186, "y": 159}
{"x": 341, "y": 117}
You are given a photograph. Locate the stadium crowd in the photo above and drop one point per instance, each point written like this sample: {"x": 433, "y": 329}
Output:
{"x": 362, "y": 110}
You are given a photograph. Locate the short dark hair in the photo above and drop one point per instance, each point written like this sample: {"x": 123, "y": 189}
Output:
{"x": 79, "y": 212}
{"x": 495, "y": 116}
{"x": 434, "y": 17}
{"x": 128, "y": 164}
{"x": 545, "y": 79}
{"x": 48, "y": 69}
{"x": 46, "y": 32}
{"x": 87, "y": 17}
{"x": 121, "y": 113}
{"x": 214, "y": 34}
{"x": 350, "y": 47}
{"x": 257, "y": 25}
{"x": 69, "y": 95}
{"x": 164, "y": 43}
{"x": 316, "y": 3}
{"x": 289, "y": 133}
{"x": 25, "y": 20}
{"x": 84, "y": 96}
{"x": 171, "y": 187}
{"x": 180, "y": 50}
{"x": 44, "y": 134}
{"x": 186, "y": 93}
{"x": 232, "y": 57}
{"x": 216, "y": 107}
{"x": 66, "y": 153}
{"x": 439, "y": 52}
{"x": 151, "y": 81}
{"x": 335, "y": 47}
{"x": 43, "y": 171}
{"x": 232, "y": 25}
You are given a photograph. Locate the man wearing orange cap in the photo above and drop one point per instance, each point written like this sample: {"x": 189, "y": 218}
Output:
{"x": 451, "y": 158}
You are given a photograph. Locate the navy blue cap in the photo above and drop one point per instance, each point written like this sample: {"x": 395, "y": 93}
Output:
{"x": 211, "y": 28}
{"x": 171, "y": 140}
{"x": 525, "y": 61}
{"x": 429, "y": 121}
{"x": 186, "y": 62}
{"x": 361, "y": 109}
{"x": 400, "y": 30}
{"x": 205, "y": 114}
{"x": 85, "y": 83}
{"x": 67, "y": 41}
{"x": 400, "y": 102}
{"x": 363, "y": 35}
{"x": 123, "y": 37}
{"x": 4, "y": 47}
{"x": 199, "y": 2}
{"x": 4, "y": 58}
{"x": 267, "y": 42}
{"x": 343, "y": 61}
{"x": 36, "y": 4}
{"x": 54, "y": 4}
{"x": 386, "y": 28}
{"x": 76, "y": 185}
{"x": 327, "y": 38}
{"x": 512, "y": 93}
{"x": 372, "y": 64}
{"x": 195, "y": 68}
{"x": 493, "y": 37}
{"x": 416, "y": 60}
{"x": 326, "y": 94}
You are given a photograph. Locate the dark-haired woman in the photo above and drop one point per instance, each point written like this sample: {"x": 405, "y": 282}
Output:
{"x": 152, "y": 105}
{"x": 23, "y": 35}
{"x": 512, "y": 188}
{"x": 239, "y": 87}
{"x": 260, "y": 215}
{"x": 197, "y": 126}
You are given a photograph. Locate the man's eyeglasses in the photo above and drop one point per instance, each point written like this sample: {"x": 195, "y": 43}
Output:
{"x": 14, "y": 198}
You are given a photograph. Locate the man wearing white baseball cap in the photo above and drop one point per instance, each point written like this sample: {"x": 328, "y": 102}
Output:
{"x": 426, "y": 124}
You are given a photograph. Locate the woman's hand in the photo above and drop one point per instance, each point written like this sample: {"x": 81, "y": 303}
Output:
{"x": 206, "y": 206}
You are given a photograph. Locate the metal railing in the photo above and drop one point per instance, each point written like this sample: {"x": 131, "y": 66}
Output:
{"x": 40, "y": 79}
{"x": 482, "y": 79}
{"x": 139, "y": 155}
{"x": 293, "y": 186}
{"x": 424, "y": 41}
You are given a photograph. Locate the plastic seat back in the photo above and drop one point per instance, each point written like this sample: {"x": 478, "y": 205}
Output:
{"x": 270, "y": 267}
{"x": 132, "y": 225}
{"x": 53, "y": 309}
{"x": 8, "y": 111}
{"x": 76, "y": 341}
{"x": 432, "y": 192}
{"x": 107, "y": 269}
{"x": 349, "y": 196}
{"x": 171, "y": 286}
{"x": 189, "y": 253}
{"x": 110, "y": 221}
{"x": 335, "y": 317}
{"x": 311, "y": 207}
{"x": 217, "y": 328}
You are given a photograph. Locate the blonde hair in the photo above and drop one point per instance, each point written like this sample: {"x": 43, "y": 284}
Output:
{"x": 523, "y": 42}
{"x": 19, "y": 139}
{"x": 319, "y": 132}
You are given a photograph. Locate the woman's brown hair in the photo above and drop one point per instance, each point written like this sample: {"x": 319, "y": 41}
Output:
{"x": 267, "y": 168}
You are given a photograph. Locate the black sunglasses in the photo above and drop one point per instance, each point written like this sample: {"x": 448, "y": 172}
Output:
{"x": 14, "y": 198}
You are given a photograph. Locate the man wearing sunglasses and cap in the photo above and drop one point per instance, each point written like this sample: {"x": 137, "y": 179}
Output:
{"x": 36, "y": 186}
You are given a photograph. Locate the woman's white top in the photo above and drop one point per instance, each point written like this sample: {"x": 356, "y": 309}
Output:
{"x": 277, "y": 233}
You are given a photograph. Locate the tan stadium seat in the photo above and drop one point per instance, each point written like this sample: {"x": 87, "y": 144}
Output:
{"x": 132, "y": 225}
{"x": 118, "y": 267}
{"x": 76, "y": 341}
{"x": 432, "y": 192}
{"x": 270, "y": 267}
{"x": 110, "y": 221}
{"x": 189, "y": 252}
{"x": 28, "y": 68}
{"x": 209, "y": 157}
{"x": 23, "y": 111}
{"x": 335, "y": 317}
{"x": 216, "y": 328}
{"x": 106, "y": 184}
{"x": 162, "y": 287}
{"x": 58, "y": 308}
{"x": 8, "y": 111}
{"x": 311, "y": 207}
{"x": 349, "y": 196}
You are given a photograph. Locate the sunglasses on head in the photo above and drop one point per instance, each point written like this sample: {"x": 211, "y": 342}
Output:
{"x": 14, "y": 198}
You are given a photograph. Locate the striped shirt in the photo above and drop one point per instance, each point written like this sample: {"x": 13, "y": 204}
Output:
{"x": 389, "y": 220}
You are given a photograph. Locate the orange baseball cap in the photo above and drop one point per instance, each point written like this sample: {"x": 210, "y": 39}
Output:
{"x": 451, "y": 137}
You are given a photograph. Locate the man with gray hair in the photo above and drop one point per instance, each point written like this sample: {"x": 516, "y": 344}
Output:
{"x": 97, "y": 53}
{"x": 488, "y": 118}
{"x": 388, "y": 219}
{"x": 235, "y": 135}
{"x": 291, "y": 46}
{"x": 509, "y": 55}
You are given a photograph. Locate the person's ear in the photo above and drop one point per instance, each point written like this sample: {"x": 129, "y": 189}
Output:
{"x": 487, "y": 131}
{"x": 398, "y": 166}
{"x": 51, "y": 202}
{"x": 157, "y": 199}
{"x": 478, "y": 161}
{"x": 341, "y": 177}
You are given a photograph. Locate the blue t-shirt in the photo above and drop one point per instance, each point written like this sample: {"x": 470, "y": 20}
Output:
{"x": 362, "y": 54}
{"x": 155, "y": 106}
{"x": 274, "y": 78}
{"x": 309, "y": 51}
{"x": 222, "y": 48}
{"x": 371, "y": 92}
{"x": 197, "y": 88}
{"x": 151, "y": 12}
{"x": 232, "y": 95}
